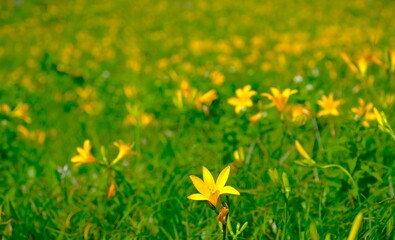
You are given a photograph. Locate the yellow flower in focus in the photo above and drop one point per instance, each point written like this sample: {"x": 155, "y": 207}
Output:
{"x": 84, "y": 154}
{"x": 124, "y": 150}
{"x": 328, "y": 105}
{"x": 279, "y": 99}
{"x": 206, "y": 99}
{"x": 209, "y": 190}
{"x": 243, "y": 99}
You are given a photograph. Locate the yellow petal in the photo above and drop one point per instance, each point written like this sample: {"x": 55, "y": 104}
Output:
{"x": 269, "y": 96}
{"x": 229, "y": 190}
{"x": 208, "y": 179}
{"x": 200, "y": 186}
{"x": 222, "y": 178}
{"x": 233, "y": 101}
{"x": 275, "y": 91}
{"x": 197, "y": 197}
{"x": 87, "y": 146}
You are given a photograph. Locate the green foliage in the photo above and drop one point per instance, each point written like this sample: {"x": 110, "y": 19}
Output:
{"x": 110, "y": 71}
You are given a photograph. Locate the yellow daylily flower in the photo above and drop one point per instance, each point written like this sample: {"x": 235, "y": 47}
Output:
{"x": 21, "y": 111}
{"x": 328, "y": 105}
{"x": 279, "y": 99}
{"x": 299, "y": 113}
{"x": 243, "y": 99}
{"x": 206, "y": 99}
{"x": 217, "y": 78}
{"x": 208, "y": 189}
{"x": 84, "y": 154}
{"x": 366, "y": 111}
{"x": 124, "y": 150}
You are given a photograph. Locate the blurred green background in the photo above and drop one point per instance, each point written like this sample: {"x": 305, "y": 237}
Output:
{"x": 92, "y": 70}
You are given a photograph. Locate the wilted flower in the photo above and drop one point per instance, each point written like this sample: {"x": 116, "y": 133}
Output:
{"x": 279, "y": 99}
{"x": 328, "y": 105}
{"x": 243, "y": 99}
{"x": 84, "y": 155}
{"x": 210, "y": 190}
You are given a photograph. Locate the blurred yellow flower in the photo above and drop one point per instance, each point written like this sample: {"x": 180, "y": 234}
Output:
{"x": 206, "y": 99}
{"x": 243, "y": 99}
{"x": 361, "y": 65}
{"x": 112, "y": 189}
{"x": 124, "y": 150}
{"x": 364, "y": 111}
{"x": 21, "y": 111}
{"x": 217, "y": 78}
{"x": 144, "y": 120}
{"x": 391, "y": 60}
{"x": 256, "y": 117}
{"x": 299, "y": 113}
{"x": 84, "y": 154}
{"x": 208, "y": 189}
{"x": 279, "y": 99}
{"x": 328, "y": 105}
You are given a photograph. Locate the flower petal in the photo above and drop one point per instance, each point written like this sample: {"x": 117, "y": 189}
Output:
{"x": 197, "y": 197}
{"x": 229, "y": 190}
{"x": 208, "y": 179}
{"x": 200, "y": 186}
{"x": 222, "y": 178}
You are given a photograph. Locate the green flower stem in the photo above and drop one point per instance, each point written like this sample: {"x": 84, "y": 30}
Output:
{"x": 285, "y": 220}
{"x": 346, "y": 172}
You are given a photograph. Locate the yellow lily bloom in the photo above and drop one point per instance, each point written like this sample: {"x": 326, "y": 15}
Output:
{"x": 328, "y": 105}
{"x": 243, "y": 99}
{"x": 124, "y": 150}
{"x": 208, "y": 189}
{"x": 206, "y": 99}
{"x": 84, "y": 154}
{"x": 279, "y": 99}
{"x": 366, "y": 111}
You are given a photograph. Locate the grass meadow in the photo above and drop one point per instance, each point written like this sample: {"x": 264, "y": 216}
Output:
{"x": 197, "y": 119}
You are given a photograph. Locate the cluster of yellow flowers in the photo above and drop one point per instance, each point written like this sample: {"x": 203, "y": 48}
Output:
{"x": 187, "y": 95}
{"x": 85, "y": 156}
{"x": 299, "y": 112}
{"x": 21, "y": 111}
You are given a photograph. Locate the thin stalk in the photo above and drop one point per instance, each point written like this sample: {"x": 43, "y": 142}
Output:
{"x": 346, "y": 172}
{"x": 285, "y": 220}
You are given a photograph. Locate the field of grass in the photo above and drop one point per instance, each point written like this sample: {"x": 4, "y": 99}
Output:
{"x": 296, "y": 97}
